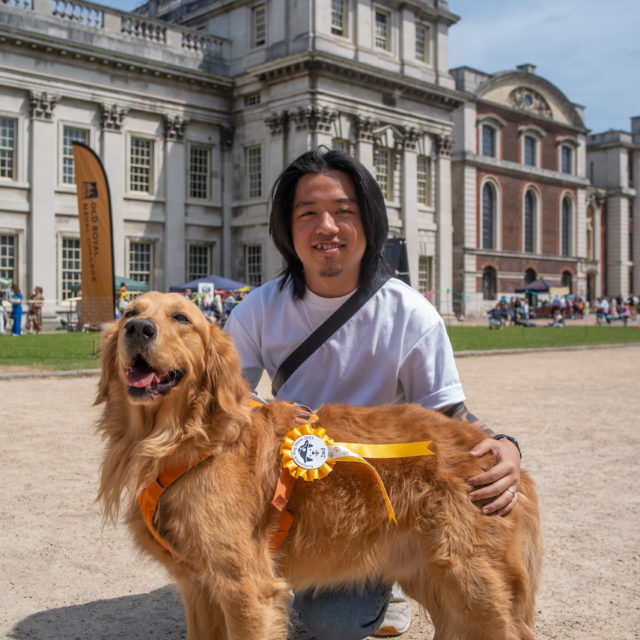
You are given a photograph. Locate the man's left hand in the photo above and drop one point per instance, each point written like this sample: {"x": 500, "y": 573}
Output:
{"x": 502, "y": 481}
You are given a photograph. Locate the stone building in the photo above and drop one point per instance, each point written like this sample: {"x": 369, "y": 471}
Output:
{"x": 195, "y": 107}
{"x": 613, "y": 165}
{"x": 520, "y": 190}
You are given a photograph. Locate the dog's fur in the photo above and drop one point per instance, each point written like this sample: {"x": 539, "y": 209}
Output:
{"x": 475, "y": 574}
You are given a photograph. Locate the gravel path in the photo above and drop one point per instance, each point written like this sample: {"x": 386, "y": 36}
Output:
{"x": 574, "y": 412}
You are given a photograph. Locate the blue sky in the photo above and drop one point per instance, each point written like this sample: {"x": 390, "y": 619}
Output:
{"x": 589, "y": 49}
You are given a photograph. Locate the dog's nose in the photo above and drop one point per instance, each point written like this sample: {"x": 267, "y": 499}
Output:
{"x": 140, "y": 329}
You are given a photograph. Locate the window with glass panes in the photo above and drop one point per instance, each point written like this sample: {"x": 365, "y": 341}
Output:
{"x": 566, "y": 153}
{"x": 488, "y": 141}
{"x": 253, "y": 264}
{"x": 141, "y": 261}
{"x": 530, "y": 151}
{"x": 199, "y": 172}
{"x": 383, "y": 30}
{"x": 70, "y": 267}
{"x": 565, "y": 238}
{"x": 425, "y": 274}
{"x": 488, "y": 215}
{"x": 422, "y": 43}
{"x": 423, "y": 179}
{"x": 141, "y": 165}
{"x": 253, "y": 158}
{"x": 259, "y": 25}
{"x": 529, "y": 221}
{"x": 199, "y": 261}
{"x": 8, "y": 148}
{"x": 8, "y": 257}
{"x": 70, "y": 135}
{"x": 382, "y": 162}
{"x": 338, "y": 17}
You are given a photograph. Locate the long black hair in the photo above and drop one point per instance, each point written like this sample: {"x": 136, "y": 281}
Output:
{"x": 370, "y": 202}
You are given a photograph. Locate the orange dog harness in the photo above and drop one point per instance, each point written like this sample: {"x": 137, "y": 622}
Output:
{"x": 149, "y": 497}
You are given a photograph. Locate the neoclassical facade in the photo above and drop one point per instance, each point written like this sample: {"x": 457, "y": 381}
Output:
{"x": 613, "y": 165}
{"x": 520, "y": 190}
{"x": 195, "y": 107}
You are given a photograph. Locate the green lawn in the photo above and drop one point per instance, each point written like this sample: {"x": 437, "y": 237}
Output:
{"x": 67, "y": 351}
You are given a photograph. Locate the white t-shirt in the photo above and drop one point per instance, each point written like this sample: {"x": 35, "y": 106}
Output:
{"x": 394, "y": 349}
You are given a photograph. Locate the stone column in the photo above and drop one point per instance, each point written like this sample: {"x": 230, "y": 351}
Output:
{"x": 444, "y": 232}
{"x": 363, "y": 126}
{"x": 617, "y": 267}
{"x": 227, "y": 132}
{"x": 410, "y": 201}
{"x": 41, "y": 227}
{"x": 113, "y": 155}
{"x": 175, "y": 164}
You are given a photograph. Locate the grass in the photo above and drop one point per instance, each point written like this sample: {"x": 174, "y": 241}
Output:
{"x": 482, "y": 338}
{"x": 68, "y": 351}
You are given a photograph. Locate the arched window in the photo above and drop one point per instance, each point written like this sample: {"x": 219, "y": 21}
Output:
{"x": 488, "y": 216}
{"x": 529, "y": 221}
{"x": 529, "y": 276}
{"x": 565, "y": 232}
{"x": 567, "y": 279}
{"x": 488, "y": 141}
{"x": 489, "y": 283}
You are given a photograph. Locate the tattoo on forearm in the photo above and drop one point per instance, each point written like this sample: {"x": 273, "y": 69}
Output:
{"x": 460, "y": 412}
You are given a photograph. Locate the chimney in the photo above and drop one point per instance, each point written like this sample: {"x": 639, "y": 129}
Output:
{"x": 527, "y": 68}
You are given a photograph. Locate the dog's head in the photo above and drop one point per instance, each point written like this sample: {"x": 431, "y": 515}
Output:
{"x": 164, "y": 351}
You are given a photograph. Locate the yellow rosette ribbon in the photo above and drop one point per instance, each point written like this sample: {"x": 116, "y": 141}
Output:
{"x": 309, "y": 453}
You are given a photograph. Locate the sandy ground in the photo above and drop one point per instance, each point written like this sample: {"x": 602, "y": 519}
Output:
{"x": 575, "y": 413}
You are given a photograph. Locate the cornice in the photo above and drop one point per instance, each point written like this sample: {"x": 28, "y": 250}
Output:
{"x": 74, "y": 52}
{"x": 312, "y": 61}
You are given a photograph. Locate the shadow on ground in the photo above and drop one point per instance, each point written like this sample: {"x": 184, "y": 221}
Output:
{"x": 158, "y": 614}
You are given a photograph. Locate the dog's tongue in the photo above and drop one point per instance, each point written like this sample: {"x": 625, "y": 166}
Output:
{"x": 141, "y": 379}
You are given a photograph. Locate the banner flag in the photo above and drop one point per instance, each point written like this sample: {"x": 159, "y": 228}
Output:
{"x": 96, "y": 248}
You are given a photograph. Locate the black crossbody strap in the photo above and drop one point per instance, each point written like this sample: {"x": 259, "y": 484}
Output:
{"x": 325, "y": 331}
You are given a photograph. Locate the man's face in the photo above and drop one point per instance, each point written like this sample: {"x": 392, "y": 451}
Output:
{"x": 327, "y": 232}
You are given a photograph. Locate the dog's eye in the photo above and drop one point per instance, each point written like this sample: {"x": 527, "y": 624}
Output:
{"x": 181, "y": 318}
{"x": 130, "y": 313}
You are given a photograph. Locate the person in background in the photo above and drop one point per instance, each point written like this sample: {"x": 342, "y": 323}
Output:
{"x": 34, "y": 315}
{"x": 328, "y": 219}
{"x": 16, "y": 310}
{"x": 122, "y": 298}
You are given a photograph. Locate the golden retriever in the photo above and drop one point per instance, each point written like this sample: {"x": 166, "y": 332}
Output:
{"x": 173, "y": 393}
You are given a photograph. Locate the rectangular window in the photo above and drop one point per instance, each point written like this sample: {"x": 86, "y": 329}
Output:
{"x": 141, "y": 165}
{"x": 199, "y": 170}
{"x": 488, "y": 141}
{"x": 383, "y": 30}
{"x": 567, "y": 159}
{"x": 425, "y": 274}
{"x": 530, "y": 151}
{"x": 69, "y": 135}
{"x": 340, "y": 144}
{"x": 338, "y": 17}
{"x": 8, "y": 257}
{"x": 7, "y": 149}
{"x": 141, "y": 262}
{"x": 422, "y": 43}
{"x": 253, "y": 264}
{"x": 253, "y": 159}
{"x": 423, "y": 180}
{"x": 199, "y": 261}
{"x": 252, "y": 99}
{"x": 259, "y": 25}
{"x": 382, "y": 162}
{"x": 70, "y": 267}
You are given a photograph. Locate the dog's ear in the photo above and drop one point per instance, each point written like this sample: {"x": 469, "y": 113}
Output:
{"x": 225, "y": 375}
{"x": 108, "y": 349}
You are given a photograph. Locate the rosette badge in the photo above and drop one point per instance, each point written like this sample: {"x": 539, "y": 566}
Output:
{"x": 305, "y": 452}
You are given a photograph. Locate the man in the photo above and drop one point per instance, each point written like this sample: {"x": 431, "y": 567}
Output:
{"x": 329, "y": 222}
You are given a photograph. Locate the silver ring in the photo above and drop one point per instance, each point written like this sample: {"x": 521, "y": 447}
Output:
{"x": 512, "y": 491}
